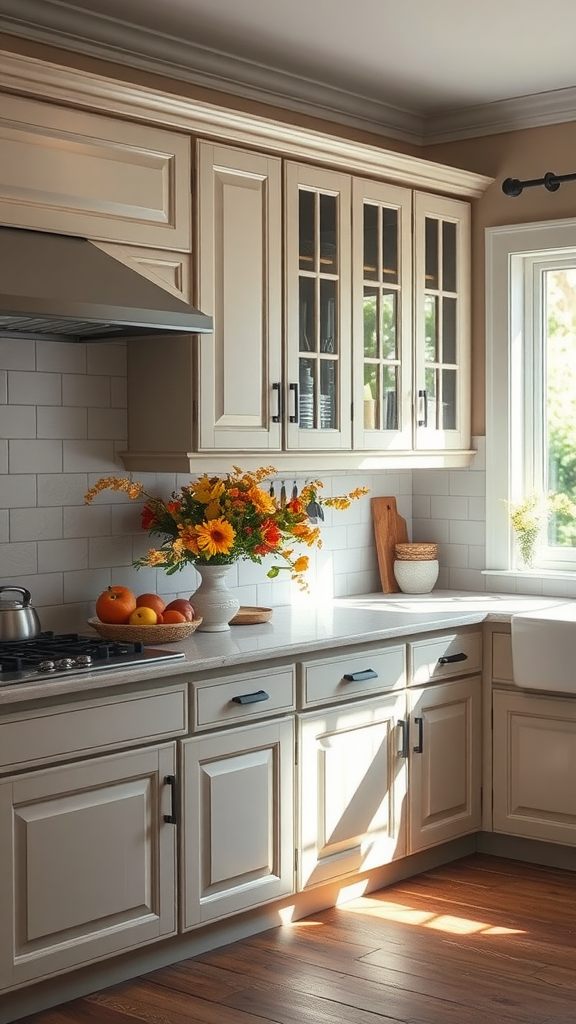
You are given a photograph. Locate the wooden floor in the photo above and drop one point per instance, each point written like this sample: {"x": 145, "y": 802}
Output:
{"x": 480, "y": 941}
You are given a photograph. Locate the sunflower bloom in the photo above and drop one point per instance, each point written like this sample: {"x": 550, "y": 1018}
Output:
{"x": 261, "y": 501}
{"x": 188, "y": 539}
{"x": 215, "y": 537}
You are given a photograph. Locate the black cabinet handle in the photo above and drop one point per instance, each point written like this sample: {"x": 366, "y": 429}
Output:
{"x": 251, "y": 698}
{"x": 277, "y": 386}
{"x": 403, "y": 752}
{"x": 450, "y": 658}
{"x": 420, "y": 745}
{"x": 294, "y": 416}
{"x": 172, "y": 781}
{"x": 359, "y": 677}
{"x": 424, "y": 396}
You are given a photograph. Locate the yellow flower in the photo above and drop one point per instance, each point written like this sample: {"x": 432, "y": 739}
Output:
{"x": 155, "y": 557}
{"x": 301, "y": 563}
{"x": 188, "y": 539}
{"x": 215, "y": 537}
{"x": 262, "y": 502}
{"x": 206, "y": 490}
{"x": 114, "y": 483}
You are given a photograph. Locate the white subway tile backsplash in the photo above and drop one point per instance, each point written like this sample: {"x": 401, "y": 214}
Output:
{"x": 4, "y": 526}
{"x": 85, "y": 585}
{"x": 62, "y": 422}
{"x": 431, "y": 530}
{"x": 454, "y": 556}
{"x": 3, "y": 387}
{"x": 17, "y": 421}
{"x": 95, "y": 457}
{"x": 431, "y": 481}
{"x": 467, "y": 483}
{"x": 108, "y": 423}
{"x": 62, "y": 488}
{"x": 467, "y": 579}
{"x": 35, "y": 524}
{"x": 107, "y": 359}
{"x": 86, "y": 521}
{"x": 421, "y": 506}
{"x": 40, "y": 456}
{"x": 3, "y": 456}
{"x": 118, "y": 392}
{"x": 85, "y": 391}
{"x": 470, "y": 532}
{"x": 448, "y": 507}
{"x": 46, "y": 588}
{"x": 17, "y": 491}
{"x": 62, "y": 555}
{"x": 17, "y": 355}
{"x": 58, "y": 358}
{"x": 32, "y": 387}
{"x": 18, "y": 560}
{"x": 477, "y": 508}
{"x": 107, "y": 551}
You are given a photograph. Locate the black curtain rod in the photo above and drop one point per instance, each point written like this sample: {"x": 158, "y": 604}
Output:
{"x": 551, "y": 181}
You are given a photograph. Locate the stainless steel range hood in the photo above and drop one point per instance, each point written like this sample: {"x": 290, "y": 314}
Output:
{"x": 61, "y": 288}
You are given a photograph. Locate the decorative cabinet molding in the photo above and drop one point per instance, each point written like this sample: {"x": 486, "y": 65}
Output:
{"x": 84, "y": 174}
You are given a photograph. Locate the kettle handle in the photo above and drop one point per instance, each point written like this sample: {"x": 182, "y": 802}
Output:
{"x": 27, "y": 596}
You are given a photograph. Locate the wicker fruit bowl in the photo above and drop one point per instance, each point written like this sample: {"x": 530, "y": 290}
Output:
{"x": 162, "y": 633}
{"x": 416, "y": 552}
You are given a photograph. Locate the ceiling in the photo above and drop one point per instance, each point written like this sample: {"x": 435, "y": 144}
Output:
{"x": 419, "y": 70}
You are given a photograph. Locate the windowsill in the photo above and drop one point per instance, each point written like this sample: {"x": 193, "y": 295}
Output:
{"x": 533, "y": 574}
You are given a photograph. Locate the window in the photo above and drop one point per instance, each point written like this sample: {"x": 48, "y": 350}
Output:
{"x": 531, "y": 385}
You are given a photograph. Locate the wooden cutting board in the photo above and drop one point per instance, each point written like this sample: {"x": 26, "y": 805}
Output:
{"x": 389, "y": 529}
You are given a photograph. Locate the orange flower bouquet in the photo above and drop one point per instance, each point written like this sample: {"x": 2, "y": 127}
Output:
{"x": 218, "y": 520}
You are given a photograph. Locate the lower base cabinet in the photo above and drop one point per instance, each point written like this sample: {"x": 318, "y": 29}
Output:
{"x": 238, "y": 829}
{"x": 445, "y": 762}
{"x": 535, "y": 766}
{"x": 88, "y": 862}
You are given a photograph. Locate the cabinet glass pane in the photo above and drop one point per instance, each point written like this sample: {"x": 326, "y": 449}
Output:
{"x": 448, "y": 256}
{"x": 371, "y": 394}
{"x": 307, "y": 314}
{"x": 431, "y": 378}
{"x": 328, "y": 325}
{"x": 388, "y": 322}
{"x": 448, "y": 330}
{"x": 390, "y": 246}
{"x": 328, "y": 390}
{"x": 328, "y": 234}
{"x": 449, "y": 399}
{"x": 306, "y": 403}
{"x": 431, "y": 328}
{"x": 370, "y": 314}
{"x": 390, "y": 397}
{"x": 370, "y": 242}
{"x": 431, "y": 253}
{"x": 307, "y": 229}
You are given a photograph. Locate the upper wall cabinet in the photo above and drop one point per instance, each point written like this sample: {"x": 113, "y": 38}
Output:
{"x": 98, "y": 177}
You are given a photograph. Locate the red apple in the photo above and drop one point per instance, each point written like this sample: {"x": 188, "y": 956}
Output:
{"x": 181, "y": 605}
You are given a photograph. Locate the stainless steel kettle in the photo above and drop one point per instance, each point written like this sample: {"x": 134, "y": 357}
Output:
{"x": 18, "y": 619}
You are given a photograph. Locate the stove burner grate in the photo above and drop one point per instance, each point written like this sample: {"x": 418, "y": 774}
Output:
{"x": 22, "y": 655}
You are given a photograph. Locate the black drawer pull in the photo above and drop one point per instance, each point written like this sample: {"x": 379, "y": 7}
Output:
{"x": 172, "y": 818}
{"x": 420, "y": 745}
{"x": 251, "y": 698}
{"x": 403, "y": 752}
{"x": 451, "y": 658}
{"x": 359, "y": 677}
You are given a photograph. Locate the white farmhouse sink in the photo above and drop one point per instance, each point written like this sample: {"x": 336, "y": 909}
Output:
{"x": 544, "y": 648}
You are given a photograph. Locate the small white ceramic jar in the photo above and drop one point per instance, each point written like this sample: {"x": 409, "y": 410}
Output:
{"x": 417, "y": 577}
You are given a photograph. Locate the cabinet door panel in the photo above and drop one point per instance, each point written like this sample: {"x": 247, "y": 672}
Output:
{"x": 240, "y": 286}
{"x": 535, "y": 767}
{"x": 445, "y": 762}
{"x": 238, "y": 845}
{"x": 90, "y": 865}
{"x": 353, "y": 785}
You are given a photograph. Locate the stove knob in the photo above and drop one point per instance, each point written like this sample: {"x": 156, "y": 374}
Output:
{"x": 46, "y": 666}
{"x": 65, "y": 663}
{"x": 83, "y": 661}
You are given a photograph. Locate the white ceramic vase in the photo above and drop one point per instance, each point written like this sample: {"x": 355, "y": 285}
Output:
{"x": 212, "y": 600}
{"x": 417, "y": 577}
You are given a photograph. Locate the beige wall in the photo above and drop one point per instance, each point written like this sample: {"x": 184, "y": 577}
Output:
{"x": 524, "y": 154}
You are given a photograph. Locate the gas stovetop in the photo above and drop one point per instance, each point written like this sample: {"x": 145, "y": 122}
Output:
{"x": 51, "y": 656}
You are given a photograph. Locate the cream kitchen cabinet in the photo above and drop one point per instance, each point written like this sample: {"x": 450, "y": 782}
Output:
{"x": 80, "y": 173}
{"x": 534, "y": 766}
{"x": 88, "y": 859}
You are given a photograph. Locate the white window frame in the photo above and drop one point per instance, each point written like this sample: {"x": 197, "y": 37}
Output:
{"x": 516, "y": 256}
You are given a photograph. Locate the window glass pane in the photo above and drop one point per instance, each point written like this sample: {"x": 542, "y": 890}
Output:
{"x": 390, "y": 246}
{"x": 448, "y": 256}
{"x": 370, "y": 242}
{"x": 431, "y": 328}
{"x": 328, "y": 234}
{"x": 371, "y": 395}
{"x": 307, "y": 314}
{"x": 370, "y": 312}
{"x": 306, "y": 229}
{"x": 560, "y": 393}
{"x": 388, "y": 320}
{"x": 448, "y": 418}
{"x": 306, "y": 381}
{"x": 390, "y": 397}
{"x": 328, "y": 325}
{"x": 431, "y": 253}
{"x": 448, "y": 330}
{"x": 328, "y": 385}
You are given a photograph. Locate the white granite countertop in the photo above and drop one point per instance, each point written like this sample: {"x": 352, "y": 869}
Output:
{"x": 296, "y": 631}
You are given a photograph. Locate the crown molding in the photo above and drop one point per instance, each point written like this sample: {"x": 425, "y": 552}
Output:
{"x": 535, "y": 111}
{"x": 29, "y": 76}
{"x": 56, "y": 24}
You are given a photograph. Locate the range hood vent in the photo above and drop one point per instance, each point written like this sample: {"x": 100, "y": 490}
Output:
{"x": 62, "y": 288}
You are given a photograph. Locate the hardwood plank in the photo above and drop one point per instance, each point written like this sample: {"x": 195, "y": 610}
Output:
{"x": 154, "y": 1004}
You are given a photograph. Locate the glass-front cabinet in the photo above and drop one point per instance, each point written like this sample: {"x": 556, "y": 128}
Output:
{"x": 442, "y": 322}
{"x": 318, "y": 309}
{"x": 382, "y": 315}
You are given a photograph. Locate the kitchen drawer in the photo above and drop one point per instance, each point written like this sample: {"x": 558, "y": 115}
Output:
{"x": 89, "y": 727}
{"x": 243, "y": 697}
{"x": 443, "y": 657}
{"x": 353, "y": 675}
{"x": 502, "y": 671}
